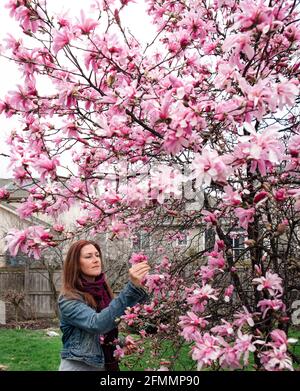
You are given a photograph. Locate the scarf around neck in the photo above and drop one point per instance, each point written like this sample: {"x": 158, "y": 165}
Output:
{"x": 99, "y": 290}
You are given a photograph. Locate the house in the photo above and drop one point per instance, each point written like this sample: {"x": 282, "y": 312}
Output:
{"x": 9, "y": 219}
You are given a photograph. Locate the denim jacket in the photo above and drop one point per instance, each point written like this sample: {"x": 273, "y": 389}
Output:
{"x": 82, "y": 326}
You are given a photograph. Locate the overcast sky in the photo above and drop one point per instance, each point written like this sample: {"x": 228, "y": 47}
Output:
{"x": 134, "y": 16}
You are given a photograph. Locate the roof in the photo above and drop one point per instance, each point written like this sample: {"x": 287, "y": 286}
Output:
{"x": 16, "y": 192}
{"x": 16, "y": 196}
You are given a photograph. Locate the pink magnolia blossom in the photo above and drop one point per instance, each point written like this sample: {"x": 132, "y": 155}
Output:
{"x": 244, "y": 318}
{"x": 119, "y": 352}
{"x": 27, "y": 209}
{"x": 210, "y": 217}
{"x": 207, "y": 273}
{"x": 260, "y": 196}
{"x": 223, "y": 330}
{"x": 20, "y": 174}
{"x": 271, "y": 282}
{"x": 280, "y": 195}
{"x": 215, "y": 260}
{"x": 245, "y": 216}
{"x": 206, "y": 350}
{"x": 209, "y": 166}
{"x": 276, "y": 359}
{"x": 228, "y": 293}
{"x": 232, "y": 197}
{"x": 29, "y": 18}
{"x": 269, "y": 304}
{"x": 22, "y": 99}
{"x": 154, "y": 282}
{"x": 264, "y": 150}
{"x": 4, "y": 194}
{"x": 254, "y": 14}
{"x": 136, "y": 194}
{"x": 244, "y": 345}
{"x": 13, "y": 5}
{"x": 190, "y": 323}
{"x": 86, "y": 25}
{"x": 199, "y": 297}
{"x": 16, "y": 239}
{"x": 294, "y": 145}
{"x": 137, "y": 258}
{"x": 280, "y": 338}
{"x": 58, "y": 227}
{"x": 240, "y": 43}
{"x": 46, "y": 167}
{"x": 286, "y": 92}
{"x": 119, "y": 229}
{"x": 130, "y": 317}
{"x": 31, "y": 241}
{"x": 230, "y": 357}
{"x": 61, "y": 38}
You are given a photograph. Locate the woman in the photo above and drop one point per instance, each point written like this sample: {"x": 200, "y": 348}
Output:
{"x": 88, "y": 311}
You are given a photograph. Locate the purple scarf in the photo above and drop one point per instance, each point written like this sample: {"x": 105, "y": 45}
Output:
{"x": 98, "y": 289}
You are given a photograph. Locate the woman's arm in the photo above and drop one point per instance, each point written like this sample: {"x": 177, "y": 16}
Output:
{"x": 79, "y": 314}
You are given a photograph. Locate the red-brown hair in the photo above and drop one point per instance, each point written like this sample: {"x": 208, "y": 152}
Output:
{"x": 71, "y": 284}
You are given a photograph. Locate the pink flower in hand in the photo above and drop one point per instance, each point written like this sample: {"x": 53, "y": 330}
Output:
{"x": 137, "y": 258}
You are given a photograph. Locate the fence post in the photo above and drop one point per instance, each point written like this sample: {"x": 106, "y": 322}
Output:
{"x": 27, "y": 283}
{"x": 2, "y": 312}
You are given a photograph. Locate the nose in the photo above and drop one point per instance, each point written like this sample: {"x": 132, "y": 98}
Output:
{"x": 95, "y": 260}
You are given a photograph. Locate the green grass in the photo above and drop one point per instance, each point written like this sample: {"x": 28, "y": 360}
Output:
{"x": 33, "y": 350}
{"x": 29, "y": 350}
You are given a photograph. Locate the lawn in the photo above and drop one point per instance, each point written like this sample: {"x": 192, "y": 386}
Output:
{"x": 33, "y": 350}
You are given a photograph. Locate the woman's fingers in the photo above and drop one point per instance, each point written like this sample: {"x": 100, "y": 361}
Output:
{"x": 140, "y": 265}
{"x": 138, "y": 271}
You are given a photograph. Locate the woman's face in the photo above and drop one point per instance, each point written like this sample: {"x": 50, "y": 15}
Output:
{"x": 90, "y": 261}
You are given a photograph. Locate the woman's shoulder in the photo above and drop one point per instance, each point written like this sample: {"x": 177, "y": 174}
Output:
{"x": 62, "y": 298}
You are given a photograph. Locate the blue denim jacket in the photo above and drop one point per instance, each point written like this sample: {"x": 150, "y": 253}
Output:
{"x": 82, "y": 326}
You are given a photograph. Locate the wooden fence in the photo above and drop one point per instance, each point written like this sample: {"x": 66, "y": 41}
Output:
{"x": 40, "y": 300}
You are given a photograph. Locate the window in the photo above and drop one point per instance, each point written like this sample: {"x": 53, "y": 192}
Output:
{"x": 238, "y": 245}
{"x": 182, "y": 241}
{"x": 210, "y": 238}
{"x": 142, "y": 241}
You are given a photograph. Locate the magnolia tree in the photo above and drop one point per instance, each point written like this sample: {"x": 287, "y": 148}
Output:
{"x": 201, "y": 125}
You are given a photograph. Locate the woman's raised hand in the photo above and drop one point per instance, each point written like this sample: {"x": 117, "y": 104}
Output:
{"x": 137, "y": 272}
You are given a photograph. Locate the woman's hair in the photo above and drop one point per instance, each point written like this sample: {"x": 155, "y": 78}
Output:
{"x": 71, "y": 284}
